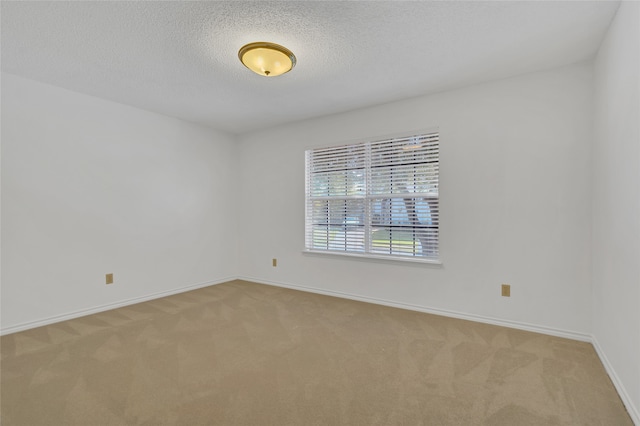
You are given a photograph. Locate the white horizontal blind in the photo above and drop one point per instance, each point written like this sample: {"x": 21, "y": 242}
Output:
{"x": 376, "y": 198}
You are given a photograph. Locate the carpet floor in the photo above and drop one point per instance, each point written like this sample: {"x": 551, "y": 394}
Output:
{"x": 241, "y": 353}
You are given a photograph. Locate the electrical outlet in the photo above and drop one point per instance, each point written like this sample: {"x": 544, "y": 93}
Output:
{"x": 109, "y": 278}
{"x": 506, "y": 290}
{"x": 274, "y": 262}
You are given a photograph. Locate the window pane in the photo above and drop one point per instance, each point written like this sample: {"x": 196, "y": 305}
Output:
{"x": 421, "y": 178}
{"x": 403, "y": 211}
{"x": 404, "y": 226}
{"x": 388, "y": 240}
{"x": 337, "y": 159}
{"x": 337, "y": 183}
{"x": 337, "y": 224}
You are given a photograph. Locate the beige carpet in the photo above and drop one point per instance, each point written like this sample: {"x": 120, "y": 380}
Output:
{"x": 247, "y": 354}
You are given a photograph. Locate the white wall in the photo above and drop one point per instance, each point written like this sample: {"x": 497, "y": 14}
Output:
{"x": 91, "y": 187}
{"x": 515, "y": 202}
{"x": 616, "y": 202}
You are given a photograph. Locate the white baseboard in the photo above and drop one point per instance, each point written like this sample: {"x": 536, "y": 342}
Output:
{"x": 471, "y": 317}
{"x": 584, "y": 337}
{"x": 634, "y": 412}
{"x": 626, "y": 399}
{"x": 628, "y": 403}
{"x": 106, "y": 307}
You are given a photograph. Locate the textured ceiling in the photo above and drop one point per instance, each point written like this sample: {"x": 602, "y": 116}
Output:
{"x": 180, "y": 58}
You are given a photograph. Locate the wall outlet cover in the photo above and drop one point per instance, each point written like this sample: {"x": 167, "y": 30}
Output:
{"x": 506, "y": 290}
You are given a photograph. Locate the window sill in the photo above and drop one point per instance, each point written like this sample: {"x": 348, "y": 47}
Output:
{"x": 375, "y": 258}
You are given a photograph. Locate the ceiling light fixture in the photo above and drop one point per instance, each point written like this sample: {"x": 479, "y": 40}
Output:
{"x": 267, "y": 59}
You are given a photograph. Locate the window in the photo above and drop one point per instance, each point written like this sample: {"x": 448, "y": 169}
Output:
{"x": 375, "y": 198}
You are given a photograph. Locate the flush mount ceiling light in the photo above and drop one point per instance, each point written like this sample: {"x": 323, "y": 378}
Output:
{"x": 267, "y": 59}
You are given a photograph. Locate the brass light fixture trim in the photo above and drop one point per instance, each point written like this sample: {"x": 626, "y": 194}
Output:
{"x": 267, "y": 59}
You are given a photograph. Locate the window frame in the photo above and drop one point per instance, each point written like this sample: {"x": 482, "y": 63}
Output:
{"x": 366, "y": 250}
